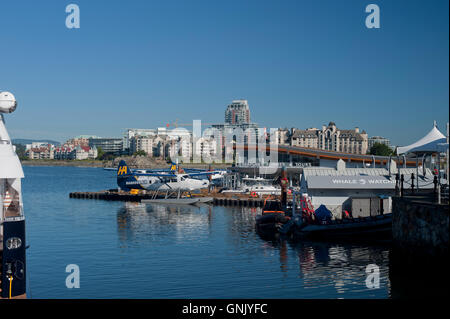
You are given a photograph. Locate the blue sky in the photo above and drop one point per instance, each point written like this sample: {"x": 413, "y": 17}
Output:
{"x": 298, "y": 63}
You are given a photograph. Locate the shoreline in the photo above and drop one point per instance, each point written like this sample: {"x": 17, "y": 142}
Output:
{"x": 109, "y": 164}
{"x": 62, "y": 163}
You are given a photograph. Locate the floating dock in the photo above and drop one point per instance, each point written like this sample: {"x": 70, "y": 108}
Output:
{"x": 218, "y": 198}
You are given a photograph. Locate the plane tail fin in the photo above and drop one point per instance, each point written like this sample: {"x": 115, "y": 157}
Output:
{"x": 125, "y": 176}
{"x": 173, "y": 167}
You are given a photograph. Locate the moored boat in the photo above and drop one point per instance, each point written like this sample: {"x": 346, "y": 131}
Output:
{"x": 12, "y": 220}
{"x": 362, "y": 228}
{"x": 273, "y": 219}
{"x": 319, "y": 224}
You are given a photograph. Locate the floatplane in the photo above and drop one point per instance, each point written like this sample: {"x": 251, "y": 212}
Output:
{"x": 172, "y": 184}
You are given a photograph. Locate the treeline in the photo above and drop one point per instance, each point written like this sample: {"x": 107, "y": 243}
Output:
{"x": 381, "y": 149}
{"x": 20, "y": 151}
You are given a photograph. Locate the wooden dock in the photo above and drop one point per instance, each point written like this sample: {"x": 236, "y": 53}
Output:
{"x": 219, "y": 199}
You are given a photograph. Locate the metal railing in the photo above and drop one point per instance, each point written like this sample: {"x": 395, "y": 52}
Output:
{"x": 439, "y": 193}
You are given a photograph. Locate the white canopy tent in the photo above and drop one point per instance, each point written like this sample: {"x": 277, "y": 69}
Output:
{"x": 433, "y": 142}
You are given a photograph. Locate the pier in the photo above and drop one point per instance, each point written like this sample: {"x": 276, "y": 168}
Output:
{"x": 219, "y": 199}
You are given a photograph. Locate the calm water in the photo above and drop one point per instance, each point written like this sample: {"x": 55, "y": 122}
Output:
{"x": 131, "y": 250}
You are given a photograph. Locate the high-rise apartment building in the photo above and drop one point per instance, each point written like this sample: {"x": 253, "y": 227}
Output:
{"x": 238, "y": 112}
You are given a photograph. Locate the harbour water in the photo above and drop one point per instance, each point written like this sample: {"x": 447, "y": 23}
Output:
{"x": 132, "y": 250}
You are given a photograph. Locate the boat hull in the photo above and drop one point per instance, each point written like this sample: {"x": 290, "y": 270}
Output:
{"x": 379, "y": 227}
{"x": 13, "y": 263}
{"x": 271, "y": 224}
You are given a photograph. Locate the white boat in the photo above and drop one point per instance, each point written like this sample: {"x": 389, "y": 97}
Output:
{"x": 12, "y": 220}
{"x": 258, "y": 185}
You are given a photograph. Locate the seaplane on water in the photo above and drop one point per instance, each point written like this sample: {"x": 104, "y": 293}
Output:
{"x": 169, "y": 181}
{"x": 215, "y": 176}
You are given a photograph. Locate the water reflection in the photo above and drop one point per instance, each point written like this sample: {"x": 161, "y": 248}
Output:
{"x": 131, "y": 250}
{"x": 137, "y": 221}
{"x": 326, "y": 269}
{"x": 340, "y": 266}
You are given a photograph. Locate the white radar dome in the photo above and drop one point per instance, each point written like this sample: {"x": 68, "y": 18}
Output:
{"x": 7, "y": 102}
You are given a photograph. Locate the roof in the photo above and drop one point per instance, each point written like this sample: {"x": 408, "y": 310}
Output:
{"x": 327, "y": 171}
{"x": 433, "y": 142}
{"x": 364, "y": 182}
{"x": 308, "y": 133}
{"x": 362, "y": 178}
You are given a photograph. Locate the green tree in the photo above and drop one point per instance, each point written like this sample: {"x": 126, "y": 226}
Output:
{"x": 140, "y": 153}
{"x": 100, "y": 153}
{"x": 108, "y": 156}
{"x": 20, "y": 151}
{"x": 381, "y": 149}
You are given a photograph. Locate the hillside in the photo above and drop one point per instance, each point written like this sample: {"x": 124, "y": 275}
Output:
{"x": 25, "y": 141}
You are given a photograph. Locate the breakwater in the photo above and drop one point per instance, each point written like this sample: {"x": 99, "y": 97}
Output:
{"x": 420, "y": 227}
{"x": 419, "y": 257}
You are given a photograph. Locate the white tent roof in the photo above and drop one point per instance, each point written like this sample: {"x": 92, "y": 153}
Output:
{"x": 434, "y": 141}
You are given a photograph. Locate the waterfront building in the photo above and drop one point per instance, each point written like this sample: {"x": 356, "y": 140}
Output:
{"x": 162, "y": 142}
{"x": 151, "y": 145}
{"x": 144, "y": 139}
{"x": 82, "y": 140}
{"x": 331, "y": 138}
{"x": 378, "y": 139}
{"x": 83, "y": 153}
{"x": 180, "y": 147}
{"x": 36, "y": 145}
{"x": 141, "y": 143}
{"x": 63, "y": 152}
{"x": 72, "y": 152}
{"x": 237, "y": 128}
{"x": 43, "y": 151}
{"x": 206, "y": 148}
{"x": 283, "y": 136}
{"x": 238, "y": 112}
{"x": 133, "y": 132}
{"x": 108, "y": 145}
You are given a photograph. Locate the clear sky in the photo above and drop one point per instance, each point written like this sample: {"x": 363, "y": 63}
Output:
{"x": 298, "y": 63}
